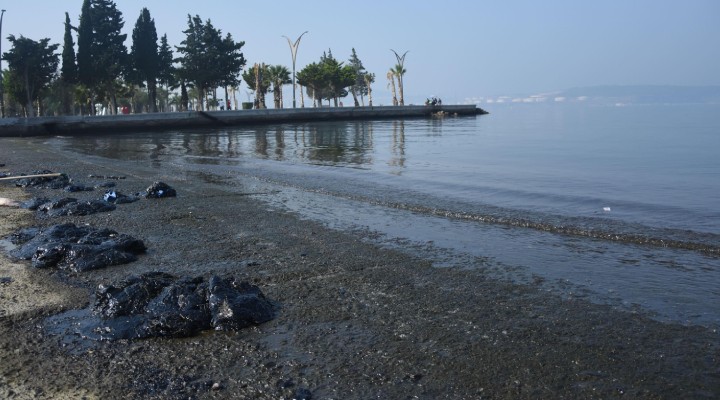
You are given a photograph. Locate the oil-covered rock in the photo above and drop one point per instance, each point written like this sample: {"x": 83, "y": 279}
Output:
{"x": 157, "y": 304}
{"x": 53, "y": 182}
{"x": 67, "y": 246}
{"x": 159, "y": 190}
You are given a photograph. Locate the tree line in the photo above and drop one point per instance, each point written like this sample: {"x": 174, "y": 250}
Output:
{"x": 148, "y": 76}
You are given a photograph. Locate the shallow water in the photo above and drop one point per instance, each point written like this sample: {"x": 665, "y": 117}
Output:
{"x": 614, "y": 204}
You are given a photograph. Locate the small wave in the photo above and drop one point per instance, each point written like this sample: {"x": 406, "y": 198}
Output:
{"x": 594, "y": 228}
{"x": 566, "y": 229}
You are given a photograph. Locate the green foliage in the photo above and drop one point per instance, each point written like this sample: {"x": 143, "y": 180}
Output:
{"x": 86, "y": 69}
{"x": 250, "y": 78}
{"x": 108, "y": 43}
{"x": 69, "y": 70}
{"x": 327, "y": 79}
{"x": 144, "y": 58}
{"x": 359, "y": 87}
{"x": 339, "y": 77}
{"x": 102, "y": 55}
{"x": 369, "y": 80}
{"x": 232, "y": 61}
{"x": 33, "y": 64}
{"x": 166, "y": 70}
{"x": 261, "y": 86}
{"x": 398, "y": 71}
{"x": 81, "y": 94}
{"x": 15, "y": 90}
{"x": 313, "y": 79}
{"x": 144, "y": 50}
{"x": 184, "y": 100}
{"x": 278, "y": 75}
{"x": 207, "y": 60}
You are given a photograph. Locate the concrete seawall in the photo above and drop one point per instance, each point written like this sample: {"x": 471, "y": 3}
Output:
{"x": 77, "y": 125}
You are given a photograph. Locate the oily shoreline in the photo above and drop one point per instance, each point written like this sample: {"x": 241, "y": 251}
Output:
{"x": 356, "y": 321}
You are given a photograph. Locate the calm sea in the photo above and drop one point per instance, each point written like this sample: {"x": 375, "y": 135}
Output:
{"x": 619, "y": 205}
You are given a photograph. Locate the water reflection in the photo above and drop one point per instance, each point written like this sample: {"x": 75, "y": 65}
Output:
{"x": 280, "y": 143}
{"x": 398, "y": 147}
{"x": 358, "y": 144}
{"x": 261, "y": 142}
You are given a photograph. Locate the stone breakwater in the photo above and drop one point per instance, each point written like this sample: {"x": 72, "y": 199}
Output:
{"x": 74, "y": 125}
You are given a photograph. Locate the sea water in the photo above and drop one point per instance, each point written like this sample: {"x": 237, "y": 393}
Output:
{"x": 619, "y": 205}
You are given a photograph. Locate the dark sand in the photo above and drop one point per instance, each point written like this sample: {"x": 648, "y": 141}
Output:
{"x": 355, "y": 321}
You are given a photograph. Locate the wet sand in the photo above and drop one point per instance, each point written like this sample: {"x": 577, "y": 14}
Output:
{"x": 355, "y": 321}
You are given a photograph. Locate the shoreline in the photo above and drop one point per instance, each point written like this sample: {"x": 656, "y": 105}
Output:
{"x": 77, "y": 125}
{"x": 356, "y": 320}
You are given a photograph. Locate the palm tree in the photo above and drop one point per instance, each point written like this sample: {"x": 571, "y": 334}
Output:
{"x": 369, "y": 78}
{"x": 391, "y": 84}
{"x": 399, "y": 71}
{"x": 278, "y": 75}
{"x": 257, "y": 80}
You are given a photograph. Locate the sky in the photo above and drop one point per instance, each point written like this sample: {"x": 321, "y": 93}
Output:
{"x": 457, "y": 49}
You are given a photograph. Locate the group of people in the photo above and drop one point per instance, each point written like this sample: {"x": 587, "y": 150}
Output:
{"x": 434, "y": 101}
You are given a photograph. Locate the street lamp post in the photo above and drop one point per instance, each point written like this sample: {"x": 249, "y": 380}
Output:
{"x": 293, "y": 51}
{"x": 2, "y": 76}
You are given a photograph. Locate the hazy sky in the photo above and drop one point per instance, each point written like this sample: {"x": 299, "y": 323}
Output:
{"x": 457, "y": 48}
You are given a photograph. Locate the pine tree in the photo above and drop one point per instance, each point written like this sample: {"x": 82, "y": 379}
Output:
{"x": 312, "y": 78}
{"x": 359, "y": 87}
{"x": 232, "y": 61}
{"x": 102, "y": 55}
{"x": 144, "y": 57}
{"x": 207, "y": 59}
{"x": 34, "y": 63}
{"x": 327, "y": 79}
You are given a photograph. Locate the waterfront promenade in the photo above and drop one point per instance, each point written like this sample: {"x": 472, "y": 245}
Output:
{"x": 73, "y": 125}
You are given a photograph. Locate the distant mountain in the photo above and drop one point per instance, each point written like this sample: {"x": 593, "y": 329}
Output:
{"x": 644, "y": 94}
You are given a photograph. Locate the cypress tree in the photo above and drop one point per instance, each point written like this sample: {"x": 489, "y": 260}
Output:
{"x": 144, "y": 54}
{"x": 166, "y": 70}
{"x": 86, "y": 72}
{"x": 69, "y": 70}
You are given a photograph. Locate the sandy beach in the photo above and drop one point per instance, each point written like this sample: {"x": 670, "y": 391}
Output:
{"x": 354, "y": 321}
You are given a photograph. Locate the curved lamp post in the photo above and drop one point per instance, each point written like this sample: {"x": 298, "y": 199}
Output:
{"x": 401, "y": 63}
{"x": 2, "y": 76}
{"x": 293, "y": 51}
